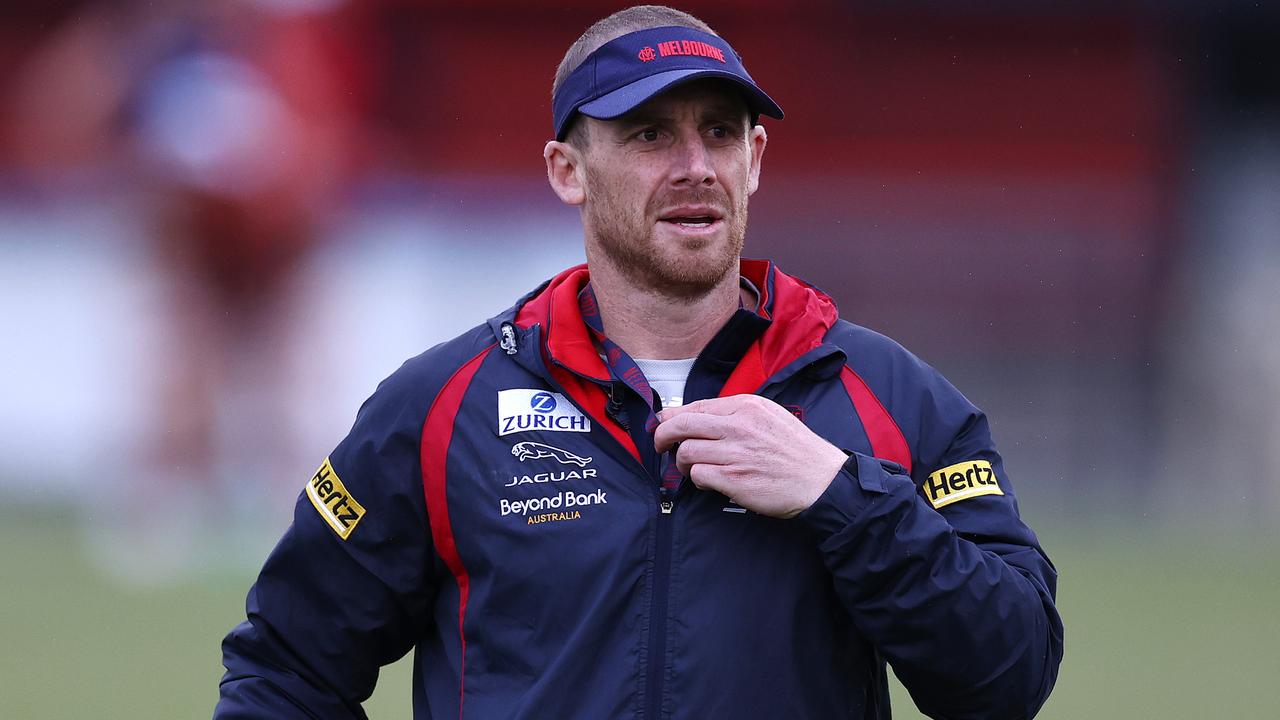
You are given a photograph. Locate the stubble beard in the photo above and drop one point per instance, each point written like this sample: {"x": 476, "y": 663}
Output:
{"x": 623, "y": 236}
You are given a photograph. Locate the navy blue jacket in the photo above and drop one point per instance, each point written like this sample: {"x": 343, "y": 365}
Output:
{"x": 496, "y": 509}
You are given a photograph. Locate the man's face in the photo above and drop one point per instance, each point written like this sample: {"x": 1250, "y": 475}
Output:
{"x": 666, "y": 188}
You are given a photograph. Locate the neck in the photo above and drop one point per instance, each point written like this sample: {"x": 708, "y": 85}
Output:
{"x": 648, "y": 324}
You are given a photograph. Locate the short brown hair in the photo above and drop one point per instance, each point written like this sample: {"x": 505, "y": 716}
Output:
{"x": 633, "y": 19}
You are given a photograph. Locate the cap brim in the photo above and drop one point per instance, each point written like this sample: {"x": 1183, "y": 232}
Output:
{"x": 629, "y": 97}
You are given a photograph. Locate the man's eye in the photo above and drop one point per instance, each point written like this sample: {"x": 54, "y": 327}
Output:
{"x": 648, "y": 135}
{"x": 719, "y": 132}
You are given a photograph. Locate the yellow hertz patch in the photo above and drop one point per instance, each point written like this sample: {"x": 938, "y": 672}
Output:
{"x": 333, "y": 502}
{"x": 960, "y": 482}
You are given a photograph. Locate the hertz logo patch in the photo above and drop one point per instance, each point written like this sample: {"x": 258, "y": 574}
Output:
{"x": 333, "y": 502}
{"x": 961, "y": 482}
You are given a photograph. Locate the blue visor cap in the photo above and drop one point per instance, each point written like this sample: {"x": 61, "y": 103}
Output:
{"x": 626, "y": 71}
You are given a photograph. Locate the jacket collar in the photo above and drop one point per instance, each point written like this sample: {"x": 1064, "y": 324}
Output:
{"x": 795, "y": 318}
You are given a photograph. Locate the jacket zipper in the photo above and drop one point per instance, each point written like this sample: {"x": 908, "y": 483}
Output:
{"x": 657, "y": 645}
{"x": 660, "y": 589}
{"x": 658, "y": 606}
{"x": 658, "y": 602}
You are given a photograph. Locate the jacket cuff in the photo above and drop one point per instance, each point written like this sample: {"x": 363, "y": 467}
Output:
{"x": 858, "y": 483}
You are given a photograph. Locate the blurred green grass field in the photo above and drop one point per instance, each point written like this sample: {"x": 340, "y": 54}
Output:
{"x": 1158, "y": 626}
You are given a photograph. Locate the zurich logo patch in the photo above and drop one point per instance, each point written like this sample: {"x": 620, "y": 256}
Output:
{"x": 527, "y": 410}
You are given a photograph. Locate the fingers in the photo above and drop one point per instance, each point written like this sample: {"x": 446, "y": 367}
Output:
{"x": 706, "y": 476}
{"x": 751, "y": 449}
{"x": 713, "y": 419}
{"x": 697, "y": 451}
{"x": 690, "y": 426}
{"x": 710, "y": 406}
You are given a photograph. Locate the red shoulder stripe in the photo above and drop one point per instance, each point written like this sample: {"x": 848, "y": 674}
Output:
{"x": 887, "y": 440}
{"x": 437, "y": 433}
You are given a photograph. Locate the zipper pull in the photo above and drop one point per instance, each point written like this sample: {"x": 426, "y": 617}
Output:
{"x": 667, "y": 506}
{"x": 614, "y": 408}
{"x": 508, "y": 342}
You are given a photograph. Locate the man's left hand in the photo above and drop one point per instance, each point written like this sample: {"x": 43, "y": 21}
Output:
{"x": 751, "y": 450}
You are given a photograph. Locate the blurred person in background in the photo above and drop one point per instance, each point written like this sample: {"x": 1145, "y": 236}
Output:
{"x": 226, "y": 127}
{"x": 669, "y": 482}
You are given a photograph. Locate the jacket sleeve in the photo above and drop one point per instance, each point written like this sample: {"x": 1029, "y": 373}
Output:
{"x": 349, "y": 586}
{"x": 952, "y": 589}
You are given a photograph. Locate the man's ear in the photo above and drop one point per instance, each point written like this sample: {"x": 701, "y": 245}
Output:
{"x": 757, "y": 139}
{"x": 565, "y": 172}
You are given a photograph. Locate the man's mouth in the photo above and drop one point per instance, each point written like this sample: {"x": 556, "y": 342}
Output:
{"x": 700, "y": 221}
{"x": 692, "y": 217}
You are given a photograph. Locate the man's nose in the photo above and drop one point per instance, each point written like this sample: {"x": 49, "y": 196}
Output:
{"x": 692, "y": 164}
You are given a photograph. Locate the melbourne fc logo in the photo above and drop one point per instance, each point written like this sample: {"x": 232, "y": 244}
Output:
{"x": 534, "y": 451}
{"x": 647, "y": 55}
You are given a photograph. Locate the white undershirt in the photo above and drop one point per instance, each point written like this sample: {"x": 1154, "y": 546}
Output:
{"x": 668, "y": 377}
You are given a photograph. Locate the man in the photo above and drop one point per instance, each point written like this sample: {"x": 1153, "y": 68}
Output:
{"x": 800, "y": 501}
